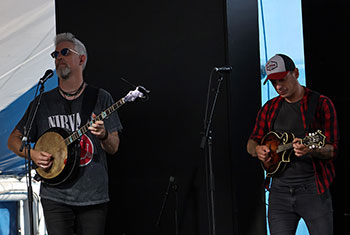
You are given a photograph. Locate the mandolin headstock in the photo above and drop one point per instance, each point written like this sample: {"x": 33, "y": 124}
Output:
{"x": 315, "y": 140}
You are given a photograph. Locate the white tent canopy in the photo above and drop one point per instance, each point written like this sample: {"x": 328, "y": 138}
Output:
{"x": 27, "y": 29}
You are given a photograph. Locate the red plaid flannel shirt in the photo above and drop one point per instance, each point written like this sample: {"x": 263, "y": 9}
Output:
{"x": 325, "y": 120}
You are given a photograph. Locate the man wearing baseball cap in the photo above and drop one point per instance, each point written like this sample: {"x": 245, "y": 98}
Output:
{"x": 298, "y": 178}
{"x": 278, "y": 67}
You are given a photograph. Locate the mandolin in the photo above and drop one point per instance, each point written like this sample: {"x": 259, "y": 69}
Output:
{"x": 281, "y": 148}
{"x": 60, "y": 143}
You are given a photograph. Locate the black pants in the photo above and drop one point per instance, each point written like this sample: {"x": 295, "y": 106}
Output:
{"x": 288, "y": 204}
{"x": 68, "y": 220}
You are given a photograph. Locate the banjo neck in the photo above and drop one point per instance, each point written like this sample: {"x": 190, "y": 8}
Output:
{"x": 139, "y": 92}
{"x": 82, "y": 130}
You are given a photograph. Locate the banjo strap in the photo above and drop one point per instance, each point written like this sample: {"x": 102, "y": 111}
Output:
{"x": 89, "y": 102}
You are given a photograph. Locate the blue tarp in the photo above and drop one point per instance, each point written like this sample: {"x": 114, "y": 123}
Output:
{"x": 8, "y": 215}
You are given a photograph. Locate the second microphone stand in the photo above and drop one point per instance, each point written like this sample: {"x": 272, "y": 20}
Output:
{"x": 172, "y": 186}
{"x": 206, "y": 144}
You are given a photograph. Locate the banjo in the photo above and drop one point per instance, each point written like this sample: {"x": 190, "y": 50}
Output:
{"x": 59, "y": 142}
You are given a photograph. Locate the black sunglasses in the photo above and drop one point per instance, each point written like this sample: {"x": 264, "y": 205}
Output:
{"x": 64, "y": 52}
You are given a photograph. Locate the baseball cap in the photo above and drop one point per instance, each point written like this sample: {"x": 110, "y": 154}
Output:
{"x": 278, "y": 67}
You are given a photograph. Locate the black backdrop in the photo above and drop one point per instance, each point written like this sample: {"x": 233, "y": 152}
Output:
{"x": 326, "y": 38}
{"x": 170, "y": 47}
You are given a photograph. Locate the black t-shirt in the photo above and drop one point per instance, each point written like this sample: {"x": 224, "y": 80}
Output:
{"x": 91, "y": 186}
{"x": 300, "y": 170}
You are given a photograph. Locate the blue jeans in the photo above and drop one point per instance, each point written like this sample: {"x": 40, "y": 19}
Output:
{"x": 62, "y": 219}
{"x": 288, "y": 204}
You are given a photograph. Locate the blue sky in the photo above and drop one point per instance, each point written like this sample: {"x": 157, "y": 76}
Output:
{"x": 281, "y": 31}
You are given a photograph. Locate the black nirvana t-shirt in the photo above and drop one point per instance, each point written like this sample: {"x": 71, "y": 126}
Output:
{"x": 91, "y": 184}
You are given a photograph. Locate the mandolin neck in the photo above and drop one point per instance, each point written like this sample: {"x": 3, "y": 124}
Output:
{"x": 82, "y": 130}
{"x": 284, "y": 147}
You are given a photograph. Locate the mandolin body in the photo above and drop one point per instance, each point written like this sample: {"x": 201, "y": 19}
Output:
{"x": 279, "y": 158}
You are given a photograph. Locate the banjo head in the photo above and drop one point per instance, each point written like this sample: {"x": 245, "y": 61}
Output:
{"x": 52, "y": 142}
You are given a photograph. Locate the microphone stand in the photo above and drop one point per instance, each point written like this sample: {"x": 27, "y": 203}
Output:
{"x": 206, "y": 143}
{"x": 172, "y": 185}
{"x": 26, "y": 145}
{"x": 174, "y": 188}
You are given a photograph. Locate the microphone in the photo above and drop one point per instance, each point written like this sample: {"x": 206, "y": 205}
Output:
{"x": 47, "y": 75}
{"x": 24, "y": 140}
{"x": 223, "y": 69}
